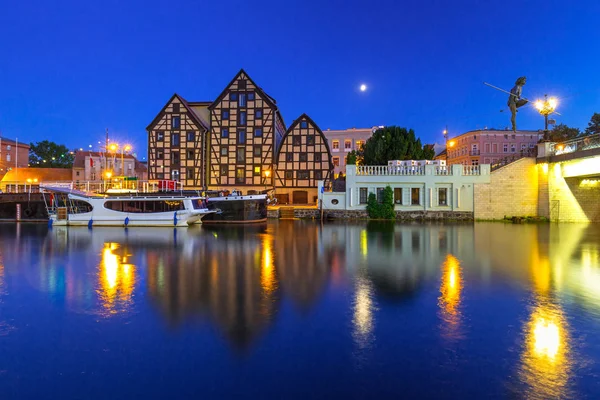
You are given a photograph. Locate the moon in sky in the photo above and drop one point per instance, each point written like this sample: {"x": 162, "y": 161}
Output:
{"x": 363, "y": 87}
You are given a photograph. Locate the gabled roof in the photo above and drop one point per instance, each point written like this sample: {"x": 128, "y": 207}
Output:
{"x": 191, "y": 112}
{"x": 311, "y": 122}
{"x": 11, "y": 142}
{"x": 79, "y": 159}
{"x": 271, "y": 101}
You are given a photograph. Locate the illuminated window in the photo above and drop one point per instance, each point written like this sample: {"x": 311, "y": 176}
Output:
{"x": 240, "y": 176}
{"x": 335, "y": 145}
{"x": 415, "y": 196}
{"x": 398, "y": 195}
{"x": 336, "y": 161}
{"x": 359, "y": 144}
{"x": 347, "y": 144}
{"x": 257, "y": 170}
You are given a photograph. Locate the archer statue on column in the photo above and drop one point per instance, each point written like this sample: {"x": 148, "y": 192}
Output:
{"x": 515, "y": 101}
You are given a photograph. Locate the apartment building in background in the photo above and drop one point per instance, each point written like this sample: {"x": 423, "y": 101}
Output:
{"x": 491, "y": 146}
{"x": 341, "y": 142}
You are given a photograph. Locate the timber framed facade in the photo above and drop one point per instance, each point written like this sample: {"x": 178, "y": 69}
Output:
{"x": 177, "y": 143}
{"x": 304, "y": 158}
{"x": 246, "y": 130}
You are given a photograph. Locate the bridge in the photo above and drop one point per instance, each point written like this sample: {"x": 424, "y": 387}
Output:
{"x": 569, "y": 180}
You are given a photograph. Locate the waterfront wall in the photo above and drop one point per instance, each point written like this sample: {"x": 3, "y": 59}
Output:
{"x": 512, "y": 192}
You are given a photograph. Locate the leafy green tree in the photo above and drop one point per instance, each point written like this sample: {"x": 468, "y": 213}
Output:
{"x": 46, "y": 154}
{"x": 594, "y": 125}
{"x": 394, "y": 143}
{"x": 387, "y": 207}
{"x": 383, "y": 210}
{"x": 562, "y": 132}
{"x": 373, "y": 208}
{"x": 351, "y": 158}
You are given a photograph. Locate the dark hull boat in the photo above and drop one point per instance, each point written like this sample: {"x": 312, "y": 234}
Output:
{"x": 235, "y": 209}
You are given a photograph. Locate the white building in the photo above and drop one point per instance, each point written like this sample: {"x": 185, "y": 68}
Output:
{"x": 417, "y": 187}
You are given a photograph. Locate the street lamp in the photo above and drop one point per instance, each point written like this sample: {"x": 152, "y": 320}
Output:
{"x": 546, "y": 107}
{"x": 267, "y": 175}
{"x": 446, "y": 139}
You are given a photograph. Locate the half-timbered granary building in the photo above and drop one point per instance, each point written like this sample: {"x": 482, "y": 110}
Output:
{"x": 246, "y": 129}
{"x": 304, "y": 158}
{"x": 177, "y": 143}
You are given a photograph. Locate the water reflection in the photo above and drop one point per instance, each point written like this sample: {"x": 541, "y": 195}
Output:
{"x": 545, "y": 362}
{"x": 450, "y": 292}
{"x": 362, "y": 318}
{"x": 116, "y": 278}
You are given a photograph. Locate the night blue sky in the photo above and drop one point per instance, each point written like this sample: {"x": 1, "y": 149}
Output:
{"x": 70, "y": 69}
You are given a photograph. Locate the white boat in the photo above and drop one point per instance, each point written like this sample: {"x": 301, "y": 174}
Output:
{"x": 68, "y": 207}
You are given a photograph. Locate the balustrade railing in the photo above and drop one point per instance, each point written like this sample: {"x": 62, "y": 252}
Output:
{"x": 578, "y": 144}
{"x": 443, "y": 170}
{"x": 471, "y": 170}
{"x": 386, "y": 170}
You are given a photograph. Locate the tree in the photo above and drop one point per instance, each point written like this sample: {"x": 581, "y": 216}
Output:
{"x": 562, "y": 132}
{"x": 46, "y": 154}
{"x": 594, "y": 125}
{"x": 383, "y": 210}
{"x": 354, "y": 157}
{"x": 394, "y": 143}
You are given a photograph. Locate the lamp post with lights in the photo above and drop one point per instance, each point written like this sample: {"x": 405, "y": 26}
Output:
{"x": 546, "y": 107}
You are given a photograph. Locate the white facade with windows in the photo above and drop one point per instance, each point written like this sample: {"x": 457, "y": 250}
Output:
{"x": 416, "y": 188}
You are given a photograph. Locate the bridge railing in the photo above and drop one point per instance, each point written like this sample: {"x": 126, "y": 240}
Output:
{"x": 574, "y": 145}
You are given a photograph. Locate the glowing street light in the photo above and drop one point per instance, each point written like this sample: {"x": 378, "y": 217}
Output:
{"x": 546, "y": 107}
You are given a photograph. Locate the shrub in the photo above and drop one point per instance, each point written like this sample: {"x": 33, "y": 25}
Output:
{"x": 385, "y": 210}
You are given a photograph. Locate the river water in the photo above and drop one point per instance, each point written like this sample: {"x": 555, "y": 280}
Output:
{"x": 295, "y": 309}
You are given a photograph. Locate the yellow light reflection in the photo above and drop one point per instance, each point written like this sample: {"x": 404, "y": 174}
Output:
{"x": 450, "y": 293}
{"x": 267, "y": 276}
{"x": 363, "y": 243}
{"x": 116, "y": 279}
{"x": 546, "y": 363}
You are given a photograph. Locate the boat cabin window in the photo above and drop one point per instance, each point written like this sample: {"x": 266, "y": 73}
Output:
{"x": 199, "y": 204}
{"x": 144, "y": 206}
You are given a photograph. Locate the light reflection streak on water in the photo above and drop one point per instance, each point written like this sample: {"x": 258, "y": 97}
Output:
{"x": 546, "y": 359}
{"x": 267, "y": 276}
{"x": 363, "y": 313}
{"x": 451, "y": 286}
{"x": 116, "y": 279}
